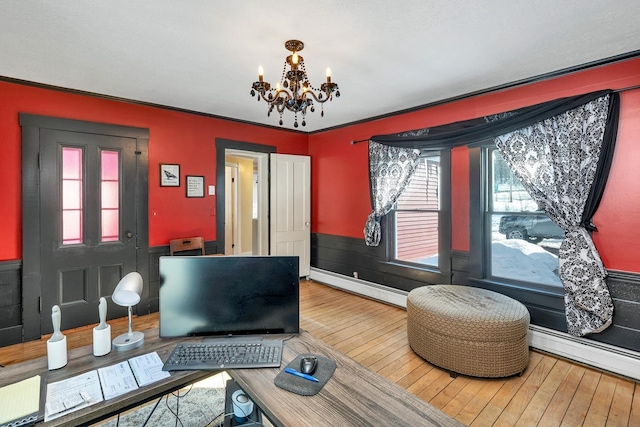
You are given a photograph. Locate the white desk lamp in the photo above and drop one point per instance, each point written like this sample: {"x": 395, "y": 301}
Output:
{"x": 127, "y": 294}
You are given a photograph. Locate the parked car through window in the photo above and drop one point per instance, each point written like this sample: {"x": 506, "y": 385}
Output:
{"x": 532, "y": 228}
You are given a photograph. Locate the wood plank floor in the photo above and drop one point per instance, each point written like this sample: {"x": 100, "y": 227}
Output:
{"x": 551, "y": 392}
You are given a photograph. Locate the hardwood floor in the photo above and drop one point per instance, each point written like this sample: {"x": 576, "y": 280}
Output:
{"x": 551, "y": 392}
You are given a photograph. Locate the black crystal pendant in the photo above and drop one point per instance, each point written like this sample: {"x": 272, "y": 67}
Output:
{"x": 322, "y": 113}
{"x": 280, "y": 122}
{"x": 253, "y": 92}
{"x": 304, "y": 123}
{"x": 338, "y": 94}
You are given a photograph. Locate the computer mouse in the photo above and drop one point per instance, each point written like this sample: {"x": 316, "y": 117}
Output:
{"x": 308, "y": 364}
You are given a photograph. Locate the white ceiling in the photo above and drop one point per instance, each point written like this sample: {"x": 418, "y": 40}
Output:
{"x": 386, "y": 56}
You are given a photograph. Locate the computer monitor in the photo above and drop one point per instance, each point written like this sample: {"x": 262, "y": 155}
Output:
{"x": 229, "y": 295}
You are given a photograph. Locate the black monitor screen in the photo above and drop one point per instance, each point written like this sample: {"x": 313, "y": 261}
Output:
{"x": 228, "y": 295}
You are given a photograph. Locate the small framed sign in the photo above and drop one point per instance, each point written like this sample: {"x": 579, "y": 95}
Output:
{"x": 195, "y": 186}
{"x": 169, "y": 175}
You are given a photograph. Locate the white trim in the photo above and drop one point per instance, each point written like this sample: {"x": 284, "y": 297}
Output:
{"x": 361, "y": 287}
{"x": 593, "y": 353}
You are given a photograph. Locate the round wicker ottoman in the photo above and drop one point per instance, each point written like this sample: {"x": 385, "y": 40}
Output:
{"x": 468, "y": 330}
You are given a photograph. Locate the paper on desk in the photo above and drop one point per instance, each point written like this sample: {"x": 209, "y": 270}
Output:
{"x": 116, "y": 380}
{"x": 148, "y": 368}
{"x": 19, "y": 400}
{"x": 61, "y": 390}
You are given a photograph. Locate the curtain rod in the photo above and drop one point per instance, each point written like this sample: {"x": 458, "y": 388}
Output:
{"x": 624, "y": 89}
{"x": 352, "y": 142}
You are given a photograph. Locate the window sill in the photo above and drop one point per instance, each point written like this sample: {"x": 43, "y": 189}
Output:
{"x": 548, "y": 297}
{"x": 414, "y": 272}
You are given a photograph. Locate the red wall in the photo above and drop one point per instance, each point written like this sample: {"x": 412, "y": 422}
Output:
{"x": 186, "y": 139}
{"x": 340, "y": 186}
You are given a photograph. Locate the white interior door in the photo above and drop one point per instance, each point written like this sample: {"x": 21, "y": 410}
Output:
{"x": 291, "y": 208}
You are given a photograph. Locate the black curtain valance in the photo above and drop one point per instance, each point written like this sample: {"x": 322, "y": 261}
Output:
{"x": 489, "y": 127}
{"x": 481, "y": 128}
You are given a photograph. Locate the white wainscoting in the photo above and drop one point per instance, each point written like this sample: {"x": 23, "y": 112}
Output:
{"x": 592, "y": 353}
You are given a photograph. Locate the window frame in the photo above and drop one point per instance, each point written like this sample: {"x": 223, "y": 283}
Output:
{"x": 489, "y": 212}
{"x": 547, "y": 296}
{"x": 425, "y": 272}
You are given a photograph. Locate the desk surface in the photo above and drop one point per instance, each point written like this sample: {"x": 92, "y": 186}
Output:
{"x": 353, "y": 396}
{"x": 82, "y": 360}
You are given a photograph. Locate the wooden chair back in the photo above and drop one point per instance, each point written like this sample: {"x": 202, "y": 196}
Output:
{"x": 186, "y": 244}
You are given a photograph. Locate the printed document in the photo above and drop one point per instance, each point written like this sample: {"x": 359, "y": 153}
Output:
{"x": 148, "y": 368}
{"x": 65, "y": 393}
{"x": 116, "y": 380}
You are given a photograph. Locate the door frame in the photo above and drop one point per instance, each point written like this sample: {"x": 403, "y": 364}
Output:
{"x": 31, "y": 283}
{"x": 235, "y": 208}
{"x": 221, "y": 146}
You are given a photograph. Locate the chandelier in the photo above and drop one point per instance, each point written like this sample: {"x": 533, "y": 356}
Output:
{"x": 294, "y": 92}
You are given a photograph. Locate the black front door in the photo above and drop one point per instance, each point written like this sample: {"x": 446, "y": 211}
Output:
{"x": 88, "y": 222}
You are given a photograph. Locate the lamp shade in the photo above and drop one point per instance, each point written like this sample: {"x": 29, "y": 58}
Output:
{"x": 127, "y": 294}
{"x": 128, "y": 291}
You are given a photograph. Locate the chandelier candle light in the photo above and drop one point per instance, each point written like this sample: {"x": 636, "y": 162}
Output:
{"x": 294, "y": 92}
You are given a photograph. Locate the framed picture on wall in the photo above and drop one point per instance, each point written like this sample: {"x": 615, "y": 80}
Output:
{"x": 169, "y": 175}
{"x": 195, "y": 186}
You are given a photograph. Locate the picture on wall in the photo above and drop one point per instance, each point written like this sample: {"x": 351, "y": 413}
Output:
{"x": 169, "y": 175}
{"x": 195, "y": 186}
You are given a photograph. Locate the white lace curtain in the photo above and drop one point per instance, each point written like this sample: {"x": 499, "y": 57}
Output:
{"x": 390, "y": 169}
{"x": 556, "y": 161}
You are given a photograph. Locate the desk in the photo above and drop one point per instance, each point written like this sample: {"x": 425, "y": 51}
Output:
{"x": 354, "y": 396}
{"x": 82, "y": 360}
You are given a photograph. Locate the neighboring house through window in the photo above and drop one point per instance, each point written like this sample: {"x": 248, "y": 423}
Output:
{"x": 416, "y": 215}
{"x": 418, "y": 225}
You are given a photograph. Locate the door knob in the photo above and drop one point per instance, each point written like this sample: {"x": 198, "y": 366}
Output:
{"x": 306, "y": 224}
{"x": 129, "y": 234}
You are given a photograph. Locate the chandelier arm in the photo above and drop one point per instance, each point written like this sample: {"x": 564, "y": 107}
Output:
{"x": 321, "y": 101}
{"x": 288, "y": 95}
{"x": 276, "y": 98}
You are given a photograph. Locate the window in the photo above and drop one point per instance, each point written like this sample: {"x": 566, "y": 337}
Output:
{"x": 416, "y": 216}
{"x": 110, "y": 187}
{"x": 72, "y": 218}
{"x": 523, "y": 242}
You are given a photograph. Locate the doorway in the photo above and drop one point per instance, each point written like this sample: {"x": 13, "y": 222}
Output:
{"x": 252, "y": 195}
{"x": 246, "y": 203}
{"x": 90, "y": 181}
{"x": 284, "y": 206}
